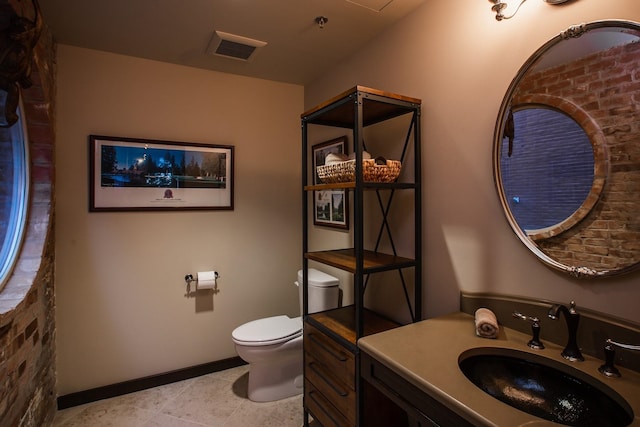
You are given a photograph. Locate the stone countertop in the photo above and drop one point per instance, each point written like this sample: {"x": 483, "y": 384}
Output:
{"x": 426, "y": 355}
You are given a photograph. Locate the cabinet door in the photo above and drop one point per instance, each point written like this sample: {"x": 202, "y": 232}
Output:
{"x": 342, "y": 397}
{"x": 331, "y": 355}
{"x": 321, "y": 409}
{"x": 330, "y": 369}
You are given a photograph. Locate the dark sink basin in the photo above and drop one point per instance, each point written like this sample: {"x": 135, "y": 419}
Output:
{"x": 545, "y": 388}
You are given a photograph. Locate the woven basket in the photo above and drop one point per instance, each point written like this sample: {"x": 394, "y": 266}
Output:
{"x": 371, "y": 172}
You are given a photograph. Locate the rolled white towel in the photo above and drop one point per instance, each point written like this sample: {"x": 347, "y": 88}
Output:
{"x": 335, "y": 158}
{"x": 486, "y": 323}
{"x": 365, "y": 156}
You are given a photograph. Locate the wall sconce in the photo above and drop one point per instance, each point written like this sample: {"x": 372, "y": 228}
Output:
{"x": 499, "y": 6}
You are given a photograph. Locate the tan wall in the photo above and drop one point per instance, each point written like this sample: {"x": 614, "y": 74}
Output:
{"x": 460, "y": 61}
{"x": 122, "y": 314}
{"x": 121, "y": 307}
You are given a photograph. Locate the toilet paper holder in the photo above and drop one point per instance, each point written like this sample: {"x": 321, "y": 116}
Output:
{"x": 189, "y": 278}
{"x": 192, "y": 291}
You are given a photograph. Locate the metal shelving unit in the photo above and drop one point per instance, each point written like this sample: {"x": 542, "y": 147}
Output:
{"x": 356, "y": 109}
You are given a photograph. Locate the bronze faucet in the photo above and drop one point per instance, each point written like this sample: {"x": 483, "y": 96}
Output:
{"x": 571, "y": 351}
{"x": 534, "y": 342}
{"x": 608, "y": 369}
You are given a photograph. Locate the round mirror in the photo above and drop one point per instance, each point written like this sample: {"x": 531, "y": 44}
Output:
{"x": 567, "y": 150}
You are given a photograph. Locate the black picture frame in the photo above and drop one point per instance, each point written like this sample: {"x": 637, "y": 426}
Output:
{"x": 331, "y": 206}
{"x": 134, "y": 174}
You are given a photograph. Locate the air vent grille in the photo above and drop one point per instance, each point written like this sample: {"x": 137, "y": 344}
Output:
{"x": 233, "y": 46}
{"x": 235, "y": 50}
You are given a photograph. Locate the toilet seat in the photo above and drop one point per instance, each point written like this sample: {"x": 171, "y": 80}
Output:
{"x": 268, "y": 331}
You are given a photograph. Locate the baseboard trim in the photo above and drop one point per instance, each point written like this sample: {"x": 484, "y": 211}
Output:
{"x": 113, "y": 390}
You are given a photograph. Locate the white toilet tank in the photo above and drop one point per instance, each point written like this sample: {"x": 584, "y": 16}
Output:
{"x": 323, "y": 289}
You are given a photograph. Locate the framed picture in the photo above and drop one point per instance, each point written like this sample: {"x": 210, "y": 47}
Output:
{"x": 330, "y": 207}
{"x": 131, "y": 174}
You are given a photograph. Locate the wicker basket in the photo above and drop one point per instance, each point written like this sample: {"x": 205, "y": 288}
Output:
{"x": 371, "y": 172}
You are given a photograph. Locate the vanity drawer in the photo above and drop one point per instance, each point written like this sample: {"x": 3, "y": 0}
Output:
{"x": 321, "y": 409}
{"x": 328, "y": 353}
{"x": 332, "y": 387}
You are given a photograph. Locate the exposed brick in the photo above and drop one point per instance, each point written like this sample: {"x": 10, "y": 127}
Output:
{"x": 4, "y": 330}
{"x": 33, "y": 326}
{"x": 41, "y": 173}
{"x": 18, "y": 341}
{"x": 27, "y": 368}
{"x": 623, "y": 109}
{"x": 40, "y": 153}
{"x": 615, "y": 129}
{"x": 32, "y": 297}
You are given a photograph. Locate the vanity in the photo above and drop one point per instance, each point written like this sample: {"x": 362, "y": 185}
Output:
{"x": 566, "y": 173}
{"x": 566, "y": 177}
{"x": 425, "y": 379}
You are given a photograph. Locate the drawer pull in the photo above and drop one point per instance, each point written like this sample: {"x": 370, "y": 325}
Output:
{"x": 312, "y": 395}
{"x": 335, "y": 388}
{"x": 329, "y": 350}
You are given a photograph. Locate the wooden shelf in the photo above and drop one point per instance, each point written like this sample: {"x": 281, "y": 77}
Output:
{"x": 345, "y": 259}
{"x": 342, "y": 323}
{"x": 379, "y": 106}
{"x": 334, "y": 186}
{"x": 365, "y": 186}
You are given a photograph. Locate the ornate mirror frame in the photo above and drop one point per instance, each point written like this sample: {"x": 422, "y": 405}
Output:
{"x": 565, "y": 246}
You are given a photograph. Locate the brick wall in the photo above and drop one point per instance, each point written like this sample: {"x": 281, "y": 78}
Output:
{"x": 602, "y": 93}
{"x": 27, "y": 303}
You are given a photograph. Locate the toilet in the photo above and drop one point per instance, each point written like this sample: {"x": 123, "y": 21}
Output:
{"x": 273, "y": 346}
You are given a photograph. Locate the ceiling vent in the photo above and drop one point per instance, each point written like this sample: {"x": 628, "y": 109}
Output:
{"x": 375, "y": 5}
{"x": 234, "y": 47}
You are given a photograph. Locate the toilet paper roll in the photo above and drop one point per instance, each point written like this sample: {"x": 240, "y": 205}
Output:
{"x": 206, "y": 279}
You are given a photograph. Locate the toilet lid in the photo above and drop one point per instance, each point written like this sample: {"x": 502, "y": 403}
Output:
{"x": 268, "y": 330}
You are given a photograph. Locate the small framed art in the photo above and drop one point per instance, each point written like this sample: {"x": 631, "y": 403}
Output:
{"x": 330, "y": 207}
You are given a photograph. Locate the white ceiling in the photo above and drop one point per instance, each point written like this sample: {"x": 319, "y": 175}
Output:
{"x": 179, "y": 31}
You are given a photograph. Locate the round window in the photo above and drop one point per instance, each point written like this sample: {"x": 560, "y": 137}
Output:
{"x": 14, "y": 193}
{"x": 547, "y": 169}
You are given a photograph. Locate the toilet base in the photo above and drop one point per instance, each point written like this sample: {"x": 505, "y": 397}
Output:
{"x": 269, "y": 381}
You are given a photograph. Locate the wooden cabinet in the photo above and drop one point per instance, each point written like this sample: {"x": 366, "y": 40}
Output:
{"x": 330, "y": 369}
{"x": 422, "y": 410}
{"x": 335, "y": 394}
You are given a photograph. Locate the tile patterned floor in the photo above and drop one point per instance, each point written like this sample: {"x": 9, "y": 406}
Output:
{"x": 214, "y": 400}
